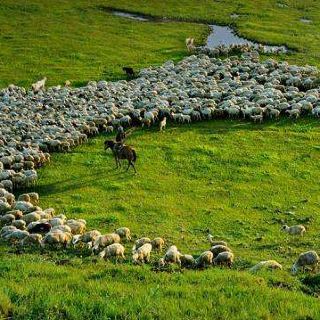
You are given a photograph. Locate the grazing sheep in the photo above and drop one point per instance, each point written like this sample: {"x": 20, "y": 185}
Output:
{"x": 124, "y": 233}
{"x": 34, "y": 198}
{"x": 187, "y": 261}
{"x": 39, "y": 85}
{"x": 139, "y": 243}
{"x": 309, "y": 258}
{"x": 257, "y": 118}
{"x": 146, "y": 122}
{"x": 224, "y": 258}
{"x": 218, "y": 249}
{"x": 63, "y": 228}
{"x": 87, "y": 238}
{"x": 104, "y": 241}
{"x": 31, "y": 217}
{"x": 163, "y": 124}
{"x": 7, "y": 219}
{"x": 19, "y": 224}
{"x": 204, "y": 260}
{"x": 294, "y": 230}
{"x": 172, "y": 256}
{"x": 109, "y": 129}
{"x": 268, "y": 264}
{"x": 157, "y": 243}
{"x": 142, "y": 254}
{"x": 31, "y": 240}
{"x": 16, "y": 235}
{"x": 216, "y": 242}
{"x": 76, "y": 226}
{"x": 295, "y": 113}
{"x": 57, "y": 221}
{"x": 115, "y": 250}
{"x": 56, "y": 238}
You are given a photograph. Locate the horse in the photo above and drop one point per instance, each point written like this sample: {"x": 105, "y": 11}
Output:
{"x": 122, "y": 152}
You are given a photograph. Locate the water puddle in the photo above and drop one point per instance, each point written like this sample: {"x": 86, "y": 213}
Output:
{"x": 219, "y": 35}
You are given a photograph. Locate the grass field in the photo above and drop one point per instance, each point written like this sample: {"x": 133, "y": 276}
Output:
{"x": 81, "y": 41}
{"x": 239, "y": 180}
{"x": 234, "y": 178}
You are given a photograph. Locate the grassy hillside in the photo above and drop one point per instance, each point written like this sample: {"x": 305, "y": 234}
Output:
{"x": 80, "y": 41}
{"x": 234, "y": 178}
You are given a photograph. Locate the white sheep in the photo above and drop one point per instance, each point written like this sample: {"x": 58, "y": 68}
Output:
{"x": 204, "y": 260}
{"x": 187, "y": 261}
{"x": 124, "y": 233}
{"x": 295, "y": 113}
{"x": 142, "y": 254}
{"x": 294, "y": 230}
{"x": 31, "y": 240}
{"x": 257, "y": 118}
{"x": 163, "y": 124}
{"x": 115, "y": 250}
{"x": 216, "y": 242}
{"x": 267, "y": 264}
{"x": 158, "y": 243}
{"x": 56, "y": 238}
{"x": 309, "y": 258}
{"x": 19, "y": 224}
{"x": 224, "y": 258}
{"x": 39, "y": 85}
{"x": 216, "y": 249}
{"x": 104, "y": 241}
{"x": 172, "y": 256}
{"x": 140, "y": 242}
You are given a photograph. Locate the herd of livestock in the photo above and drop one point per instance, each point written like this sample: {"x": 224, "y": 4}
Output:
{"x": 26, "y": 225}
{"x": 35, "y": 123}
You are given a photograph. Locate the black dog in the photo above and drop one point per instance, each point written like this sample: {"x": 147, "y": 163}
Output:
{"x": 129, "y": 71}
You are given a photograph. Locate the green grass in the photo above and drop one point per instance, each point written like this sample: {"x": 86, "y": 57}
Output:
{"x": 81, "y": 41}
{"x": 237, "y": 179}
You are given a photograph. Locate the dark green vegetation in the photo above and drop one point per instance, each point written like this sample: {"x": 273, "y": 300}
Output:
{"x": 81, "y": 41}
{"x": 237, "y": 179}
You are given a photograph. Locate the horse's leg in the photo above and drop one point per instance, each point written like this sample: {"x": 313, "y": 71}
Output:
{"x": 132, "y": 163}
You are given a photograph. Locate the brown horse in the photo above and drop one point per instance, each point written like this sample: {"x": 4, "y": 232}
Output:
{"x": 122, "y": 152}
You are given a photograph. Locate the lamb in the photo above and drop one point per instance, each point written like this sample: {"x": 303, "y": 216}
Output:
{"x": 39, "y": 85}
{"x": 142, "y": 254}
{"x": 185, "y": 118}
{"x": 187, "y": 261}
{"x": 218, "y": 249}
{"x": 172, "y": 256}
{"x": 115, "y": 250}
{"x": 309, "y": 258}
{"x": 294, "y": 230}
{"x": 104, "y": 241}
{"x": 257, "y": 118}
{"x": 224, "y": 258}
{"x": 274, "y": 113}
{"x": 124, "y": 233}
{"x": 157, "y": 243}
{"x": 163, "y": 124}
{"x": 204, "y": 260}
{"x": 268, "y": 264}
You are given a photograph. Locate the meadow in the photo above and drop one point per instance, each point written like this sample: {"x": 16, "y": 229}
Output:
{"x": 238, "y": 180}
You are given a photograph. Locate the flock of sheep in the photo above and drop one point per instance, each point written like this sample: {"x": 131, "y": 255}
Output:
{"x": 25, "y": 224}
{"x": 36, "y": 122}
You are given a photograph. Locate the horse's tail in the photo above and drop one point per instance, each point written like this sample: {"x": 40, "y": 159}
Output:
{"x": 134, "y": 155}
